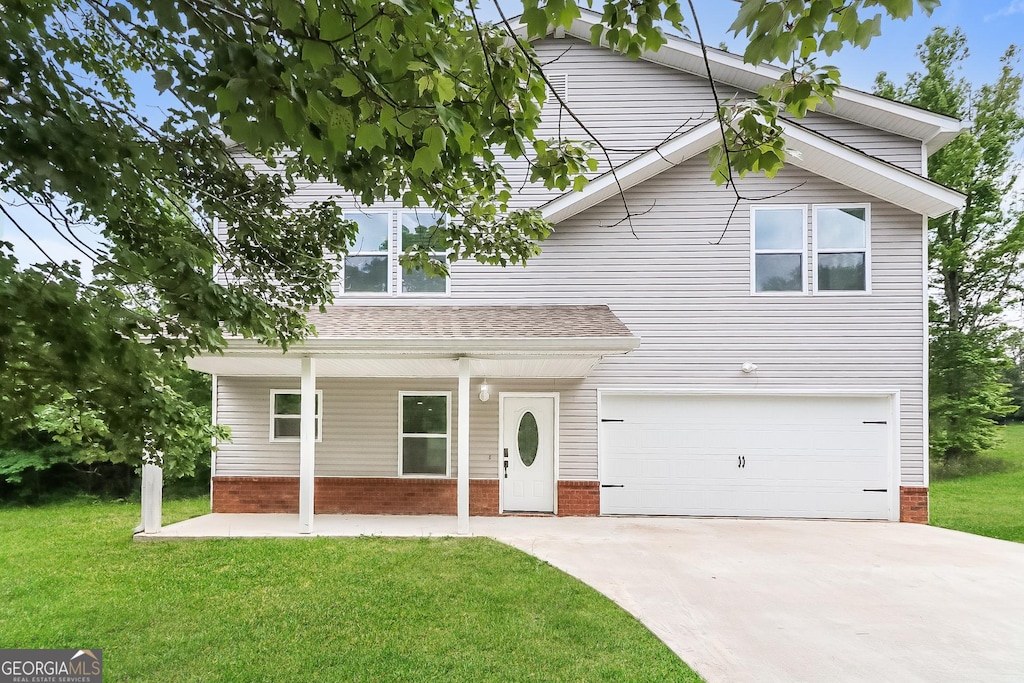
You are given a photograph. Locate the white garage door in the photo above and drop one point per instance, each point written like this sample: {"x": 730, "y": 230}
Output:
{"x": 746, "y": 456}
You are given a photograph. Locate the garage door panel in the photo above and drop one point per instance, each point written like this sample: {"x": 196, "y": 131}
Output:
{"x": 745, "y": 456}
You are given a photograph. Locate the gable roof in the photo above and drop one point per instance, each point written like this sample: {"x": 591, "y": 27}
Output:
{"x": 916, "y": 123}
{"x": 813, "y": 152}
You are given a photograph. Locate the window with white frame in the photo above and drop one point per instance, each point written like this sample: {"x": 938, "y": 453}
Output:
{"x": 422, "y": 229}
{"x": 368, "y": 263}
{"x": 425, "y": 424}
{"x": 286, "y": 415}
{"x": 842, "y": 248}
{"x": 779, "y": 247}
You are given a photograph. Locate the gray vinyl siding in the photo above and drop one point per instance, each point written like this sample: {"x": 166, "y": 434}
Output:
{"x": 684, "y": 293}
{"x": 361, "y": 431}
{"x": 688, "y": 297}
{"x": 682, "y": 284}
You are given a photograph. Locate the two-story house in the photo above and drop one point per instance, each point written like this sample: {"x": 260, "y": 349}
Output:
{"x": 764, "y": 362}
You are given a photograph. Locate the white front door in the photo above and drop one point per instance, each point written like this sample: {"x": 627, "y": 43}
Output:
{"x": 527, "y": 465}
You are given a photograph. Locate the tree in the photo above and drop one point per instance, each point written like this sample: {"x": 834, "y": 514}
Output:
{"x": 411, "y": 99}
{"x": 975, "y": 254}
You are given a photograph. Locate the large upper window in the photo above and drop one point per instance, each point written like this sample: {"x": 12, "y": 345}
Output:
{"x": 779, "y": 249}
{"x": 285, "y": 414}
{"x": 420, "y": 229}
{"x": 367, "y": 265}
{"x": 373, "y": 261}
{"x": 841, "y": 252}
{"x": 424, "y": 422}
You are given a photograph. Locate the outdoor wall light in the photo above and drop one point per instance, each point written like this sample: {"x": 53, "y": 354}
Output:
{"x": 485, "y": 392}
{"x": 748, "y": 367}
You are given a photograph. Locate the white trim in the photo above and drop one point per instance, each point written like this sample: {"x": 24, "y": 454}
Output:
{"x": 273, "y": 415}
{"x": 814, "y": 152}
{"x": 896, "y": 464}
{"x": 556, "y": 436}
{"x": 935, "y": 130}
{"x": 213, "y": 440}
{"x": 462, "y": 484}
{"x": 447, "y": 435}
{"x": 866, "y": 250}
{"x": 667, "y": 155}
{"x": 925, "y": 358}
{"x": 401, "y": 249}
{"x": 389, "y": 254}
{"x": 754, "y": 251}
{"x": 307, "y": 443}
{"x": 438, "y": 347}
{"x": 894, "y": 456}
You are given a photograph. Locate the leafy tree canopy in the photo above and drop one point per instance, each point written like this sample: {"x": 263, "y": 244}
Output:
{"x": 415, "y": 100}
{"x": 975, "y": 254}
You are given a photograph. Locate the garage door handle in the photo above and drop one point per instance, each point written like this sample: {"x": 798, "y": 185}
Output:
{"x": 876, "y": 490}
{"x": 613, "y": 486}
{"x": 876, "y": 422}
{"x": 609, "y": 419}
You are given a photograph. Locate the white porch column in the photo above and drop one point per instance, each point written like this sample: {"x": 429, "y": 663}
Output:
{"x": 307, "y": 444}
{"x": 152, "y": 497}
{"x": 463, "y": 483}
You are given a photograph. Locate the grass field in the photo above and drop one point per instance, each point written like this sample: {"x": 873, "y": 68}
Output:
{"x": 989, "y": 502}
{"x": 316, "y": 609}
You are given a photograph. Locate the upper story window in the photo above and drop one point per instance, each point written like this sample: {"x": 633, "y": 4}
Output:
{"x": 779, "y": 248}
{"x": 372, "y": 266}
{"x": 368, "y": 264}
{"x": 841, "y": 248}
{"x": 841, "y": 257}
{"x": 420, "y": 229}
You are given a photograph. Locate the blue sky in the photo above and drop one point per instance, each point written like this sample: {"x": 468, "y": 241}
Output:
{"x": 991, "y": 26}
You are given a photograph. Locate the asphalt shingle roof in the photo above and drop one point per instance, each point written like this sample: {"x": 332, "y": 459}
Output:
{"x": 467, "y": 322}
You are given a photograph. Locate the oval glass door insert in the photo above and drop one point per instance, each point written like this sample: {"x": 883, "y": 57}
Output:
{"x": 528, "y": 439}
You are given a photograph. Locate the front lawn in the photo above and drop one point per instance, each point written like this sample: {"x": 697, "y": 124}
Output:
{"x": 317, "y": 609}
{"x": 991, "y": 502}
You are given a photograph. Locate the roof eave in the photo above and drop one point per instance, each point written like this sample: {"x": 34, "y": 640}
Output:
{"x": 850, "y": 104}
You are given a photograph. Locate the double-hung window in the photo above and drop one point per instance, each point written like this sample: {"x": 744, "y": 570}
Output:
{"x": 286, "y": 416}
{"x": 421, "y": 229}
{"x": 425, "y": 423}
{"x": 368, "y": 263}
{"x": 779, "y": 248}
{"x": 842, "y": 248}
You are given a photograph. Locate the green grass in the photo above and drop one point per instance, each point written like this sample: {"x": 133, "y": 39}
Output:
{"x": 306, "y": 609}
{"x": 988, "y": 497}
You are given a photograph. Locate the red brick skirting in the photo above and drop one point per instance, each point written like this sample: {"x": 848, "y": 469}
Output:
{"x": 256, "y": 494}
{"x": 579, "y": 498}
{"x": 914, "y": 504}
{"x": 385, "y": 496}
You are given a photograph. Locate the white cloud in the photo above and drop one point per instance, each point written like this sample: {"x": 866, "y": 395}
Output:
{"x": 1015, "y": 7}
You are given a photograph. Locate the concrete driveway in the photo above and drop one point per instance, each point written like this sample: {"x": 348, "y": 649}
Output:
{"x": 775, "y": 600}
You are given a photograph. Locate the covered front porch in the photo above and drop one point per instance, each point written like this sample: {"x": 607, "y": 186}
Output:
{"x": 360, "y": 435}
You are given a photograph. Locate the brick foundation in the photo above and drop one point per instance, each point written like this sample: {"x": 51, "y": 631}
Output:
{"x": 579, "y": 498}
{"x": 385, "y": 496}
{"x": 914, "y": 504}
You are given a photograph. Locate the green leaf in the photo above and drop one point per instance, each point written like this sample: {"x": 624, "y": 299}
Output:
{"x": 316, "y": 54}
{"x": 332, "y": 25}
{"x": 425, "y": 160}
{"x": 434, "y": 138}
{"x": 162, "y": 80}
{"x": 347, "y": 84}
{"x": 369, "y": 137}
{"x": 536, "y": 21}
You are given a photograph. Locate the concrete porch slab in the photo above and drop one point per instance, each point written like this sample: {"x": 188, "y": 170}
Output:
{"x": 269, "y": 525}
